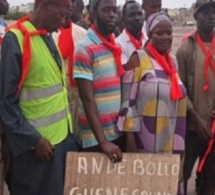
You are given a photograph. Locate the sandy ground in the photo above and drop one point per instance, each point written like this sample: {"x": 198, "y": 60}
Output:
{"x": 178, "y": 33}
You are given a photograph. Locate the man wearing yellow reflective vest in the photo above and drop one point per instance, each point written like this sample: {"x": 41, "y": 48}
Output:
{"x": 33, "y": 101}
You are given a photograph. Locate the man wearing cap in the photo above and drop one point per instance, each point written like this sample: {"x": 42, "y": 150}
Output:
{"x": 97, "y": 70}
{"x": 150, "y": 7}
{"x": 132, "y": 38}
{"x": 196, "y": 57}
{"x": 33, "y": 101}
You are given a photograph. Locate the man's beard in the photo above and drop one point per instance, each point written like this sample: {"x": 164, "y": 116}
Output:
{"x": 104, "y": 27}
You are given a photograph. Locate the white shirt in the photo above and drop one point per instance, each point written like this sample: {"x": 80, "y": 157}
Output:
{"x": 78, "y": 33}
{"x": 2, "y": 31}
{"x": 144, "y": 30}
{"x": 127, "y": 46}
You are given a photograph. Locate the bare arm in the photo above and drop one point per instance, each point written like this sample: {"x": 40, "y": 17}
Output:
{"x": 87, "y": 97}
{"x": 90, "y": 107}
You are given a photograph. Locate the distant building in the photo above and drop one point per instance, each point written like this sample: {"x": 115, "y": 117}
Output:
{"x": 13, "y": 9}
{"x": 174, "y": 14}
{"x": 181, "y": 16}
{"x": 25, "y": 8}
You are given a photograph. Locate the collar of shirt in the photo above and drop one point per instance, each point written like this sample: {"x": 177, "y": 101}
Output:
{"x": 93, "y": 37}
{"x": 125, "y": 37}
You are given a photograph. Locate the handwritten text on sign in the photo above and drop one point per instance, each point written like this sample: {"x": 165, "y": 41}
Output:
{"x": 137, "y": 174}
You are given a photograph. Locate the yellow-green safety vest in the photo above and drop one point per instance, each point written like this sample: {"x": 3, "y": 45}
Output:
{"x": 43, "y": 97}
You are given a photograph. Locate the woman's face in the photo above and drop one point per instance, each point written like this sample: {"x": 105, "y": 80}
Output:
{"x": 161, "y": 37}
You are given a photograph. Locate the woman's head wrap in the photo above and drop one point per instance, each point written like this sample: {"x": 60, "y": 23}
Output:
{"x": 154, "y": 19}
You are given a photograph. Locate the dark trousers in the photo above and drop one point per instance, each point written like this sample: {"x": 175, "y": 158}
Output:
{"x": 30, "y": 176}
{"x": 196, "y": 148}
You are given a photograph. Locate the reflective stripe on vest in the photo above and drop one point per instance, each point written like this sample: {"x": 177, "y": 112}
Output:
{"x": 43, "y": 98}
{"x": 38, "y": 123}
{"x": 27, "y": 95}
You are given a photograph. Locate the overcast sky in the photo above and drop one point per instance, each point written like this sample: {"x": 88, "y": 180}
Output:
{"x": 166, "y": 3}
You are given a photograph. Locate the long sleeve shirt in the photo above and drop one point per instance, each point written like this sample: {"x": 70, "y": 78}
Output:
{"x": 191, "y": 61}
{"x": 20, "y": 134}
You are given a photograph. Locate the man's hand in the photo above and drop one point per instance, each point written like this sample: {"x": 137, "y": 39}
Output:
{"x": 112, "y": 151}
{"x": 203, "y": 129}
{"x": 44, "y": 150}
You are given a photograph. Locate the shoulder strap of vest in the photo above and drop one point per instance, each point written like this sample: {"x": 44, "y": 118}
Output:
{"x": 26, "y": 56}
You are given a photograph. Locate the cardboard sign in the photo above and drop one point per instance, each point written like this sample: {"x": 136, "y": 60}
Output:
{"x": 137, "y": 174}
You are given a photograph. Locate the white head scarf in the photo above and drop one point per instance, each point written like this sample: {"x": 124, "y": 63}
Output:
{"x": 154, "y": 19}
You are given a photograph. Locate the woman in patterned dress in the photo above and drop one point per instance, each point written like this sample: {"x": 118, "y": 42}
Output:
{"x": 153, "y": 112}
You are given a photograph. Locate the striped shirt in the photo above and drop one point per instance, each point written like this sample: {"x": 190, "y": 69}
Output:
{"x": 95, "y": 62}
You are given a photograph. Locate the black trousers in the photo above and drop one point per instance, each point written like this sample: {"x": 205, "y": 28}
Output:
{"x": 195, "y": 148}
{"x": 30, "y": 176}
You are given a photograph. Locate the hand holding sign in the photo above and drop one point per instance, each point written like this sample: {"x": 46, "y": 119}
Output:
{"x": 112, "y": 151}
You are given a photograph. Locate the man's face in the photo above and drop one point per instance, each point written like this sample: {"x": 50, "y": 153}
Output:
{"x": 133, "y": 18}
{"x": 151, "y": 7}
{"x": 106, "y": 16}
{"x": 56, "y": 16}
{"x": 205, "y": 19}
{"x": 4, "y": 7}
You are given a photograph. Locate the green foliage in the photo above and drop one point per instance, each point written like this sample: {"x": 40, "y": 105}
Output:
{"x": 14, "y": 15}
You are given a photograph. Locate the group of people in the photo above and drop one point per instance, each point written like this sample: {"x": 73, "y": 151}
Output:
{"x": 64, "y": 88}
